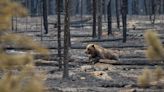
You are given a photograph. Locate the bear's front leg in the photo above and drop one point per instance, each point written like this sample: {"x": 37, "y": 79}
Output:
{"x": 91, "y": 59}
{"x": 94, "y": 60}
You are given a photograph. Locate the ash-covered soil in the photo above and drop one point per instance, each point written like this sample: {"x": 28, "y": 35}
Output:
{"x": 118, "y": 76}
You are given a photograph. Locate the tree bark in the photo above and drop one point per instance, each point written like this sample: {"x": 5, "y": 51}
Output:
{"x": 162, "y": 7}
{"x": 135, "y": 8}
{"x": 59, "y": 32}
{"x": 81, "y": 12}
{"x": 117, "y": 14}
{"x": 45, "y": 16}
{"x": 109, "y": 18}
{"x": 94, "y": 9}
{"x": 104, "y": 7}
{"x": 153, "y": 11}
{"x": 150, "y": 10}
{"x": 124, "y": 18}
{"x": 12, "y": 23}
{"x": 145, "y": 4}
{"x": 66, "y": 40}
{"x": 99, "y": 19}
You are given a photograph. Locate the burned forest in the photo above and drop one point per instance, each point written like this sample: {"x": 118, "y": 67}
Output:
{"x": 81, "y": 46}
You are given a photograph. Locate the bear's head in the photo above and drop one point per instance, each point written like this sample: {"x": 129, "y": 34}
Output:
{"x": 90, "y": 49}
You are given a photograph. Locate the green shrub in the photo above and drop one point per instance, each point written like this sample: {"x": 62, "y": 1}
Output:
{"x": 18, "y": 71}
{"x": 154, "y": 52}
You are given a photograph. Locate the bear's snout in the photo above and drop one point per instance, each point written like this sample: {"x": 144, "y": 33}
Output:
{"x": 86, "y": 52}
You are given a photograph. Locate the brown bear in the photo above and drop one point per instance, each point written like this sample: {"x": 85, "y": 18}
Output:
{"x": 97, "y": 52}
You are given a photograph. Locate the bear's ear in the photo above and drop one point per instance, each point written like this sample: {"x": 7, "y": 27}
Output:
{"x": 93, "y": 46}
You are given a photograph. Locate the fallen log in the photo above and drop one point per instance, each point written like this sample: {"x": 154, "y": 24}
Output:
{"x": 132, "y": 61}
{"x": 102, "y": 40}
{"x": 80, "y": 47}
{"x": 132, "y": 56}
{"x": 81, "y": 35}
{"x": 110, "y": 46}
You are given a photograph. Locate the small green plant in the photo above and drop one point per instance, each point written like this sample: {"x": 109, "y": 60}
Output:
{"x": 158, "y": 73}
{"x": 155, "y": 49}
{"x": 7, "y": 10}
{"x": 144, "y": 78}
{"x": 18, "y": 71}
{"x": 155, "y": 52}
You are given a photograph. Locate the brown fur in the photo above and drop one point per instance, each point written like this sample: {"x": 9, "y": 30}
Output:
{"x": 100, "y": 52}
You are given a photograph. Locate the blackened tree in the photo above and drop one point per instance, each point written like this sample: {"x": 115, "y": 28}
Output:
{"x": 45, "y": 16}
{"x": 66, "y": 40}
{"x": 59, "y": 31}
{"x": 99, "y": 18}
{"x": 124, "y": 18}
{"x": 109, "y": 18}
{"x": 117, "y": 13}
{"x": 94, "y": 9}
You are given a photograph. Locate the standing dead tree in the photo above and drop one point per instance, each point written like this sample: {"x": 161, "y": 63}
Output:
{"x": 99, "y": 18}
{"x": 12, "y": 23}
{"x": 135, "y": 6}
{"x": 81, "y": 12}
{"x": 69, "y": 2}
{"x": 124, "y": 18}
{"x": 94, "y": 9}
{"x": 104, "y": 7}
{"x": 45, "y": 16}
{"x": 152, "y": 5}
{"x": 117, "y": 14}
{"x": 161, "y": 6}
{"x": 109, "y": 18}
{"x": 59, "y": 32}
{"x": 145, "y": 5}
{"x": 66, "y": 40}
{"x": 155, "y": 5}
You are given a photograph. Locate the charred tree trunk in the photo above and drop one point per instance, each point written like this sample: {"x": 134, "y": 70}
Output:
{"x": 94, "y": 9}
{"x": 69, "y": 13}
{"x": 145, "y": 4}
{"x": 59, "y": 32}
{"x": 104, "y": 9}
{"x": 162, "y": 7}
{"x": 117, "y": 14}
{"x": 135, "y": 7}
{"x": 124, "y": 19}
{"x": 45, "y": 16}
{"x": 109, "y": 18}
{"x": 66, "y": 40}
{"x": 99, "y": 19}
{"x": 81, "y": 13}
{"x": 12, "y": 23}
{"x": 150, "y": 10}
{"x": 16, "y": 23}
{"x": 153, "y": 11}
